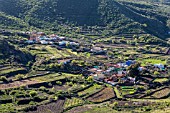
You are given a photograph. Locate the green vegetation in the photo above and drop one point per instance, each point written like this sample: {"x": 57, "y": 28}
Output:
{"x": 112, "y": 16}
{"x": 52, "y": 77}
{"x": 161, "y": 80}
{"x": 72, "y": 102}
{"x": 117, "y": 92}
{"x": 152, "y": 61}
{"x": 102, "y": 109}
{"x": 90, "y": 90}
{"x": 91, "y": 76}
{"x": 127, "y": 90}
{"x": 10, "y": 70}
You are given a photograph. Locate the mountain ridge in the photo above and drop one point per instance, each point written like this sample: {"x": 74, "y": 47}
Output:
{"x": 119, "y": 16}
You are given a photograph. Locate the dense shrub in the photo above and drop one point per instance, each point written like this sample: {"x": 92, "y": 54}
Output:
{"x": 32, "y": 93}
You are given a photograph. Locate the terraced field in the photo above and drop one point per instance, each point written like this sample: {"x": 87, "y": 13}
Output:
{"x": 72, "y": 102}
{"x": 103, "y": 95}
{"x": 90, "y": 90}
{"x": 56, "y": 107}
{"x": 17, "y": 84}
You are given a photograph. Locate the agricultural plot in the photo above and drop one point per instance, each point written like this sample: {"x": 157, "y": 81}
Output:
{"x": 5, "y": 99}
{"x": 37, "y": 49}
{"x": 5, "y": 68}
{"x": 161, "y": 94}
{"x": 125, "y": 90}
{"x": 11, "y": 70}
{"x": 161, "y": 80}
{"x": 69, "y": 103}
{"x": 57, "y": 53}
{"x": 63, "y": 87}
{"x": 48, "y": 77}
{"x": 130, "y": 103}
{"x": 90, "y": 90}
{"x": 5, "y": 108}
{"x": 56, "y": 107}
{"x": 103, "y": 95}
{"x": 79, "y": 109}
{"x": 36, "y": 52}
{"x": 117, "y": 92}
{"x": 151, "y": 61}
{"x": 18, "y": 84}
{"x": 54, "y": 76}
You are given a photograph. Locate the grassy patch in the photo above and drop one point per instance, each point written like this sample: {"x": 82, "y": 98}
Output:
{"x": 117, "y": 93}
{"x": 127, "y": 90}
{"x": 72, "y": 102}
{"x": 7, "y": 108}
{"x": 161, "y": 80}
{"x": 54, "y": 76}
{"x": 101, "y": 110}
{"x": 151, "y": 61}
{"x": 90, "y": 90}
{"x": 3, "y": 72}
{"x": 162, "y": 93}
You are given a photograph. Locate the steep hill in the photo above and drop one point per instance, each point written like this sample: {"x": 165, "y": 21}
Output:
{"x": 9, "y": 53}
{"x": 120, "y": 16}
{"x": 11, "y": 21}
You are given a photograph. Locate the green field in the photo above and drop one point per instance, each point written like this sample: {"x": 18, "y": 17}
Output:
{"x": 72, "y": 102}
{"x": 151, "y": 61}
{"x": 161, "y": 80}
{"x": 90, "y": 90}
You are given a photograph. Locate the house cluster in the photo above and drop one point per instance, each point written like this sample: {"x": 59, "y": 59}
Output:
{"x": 42, "y": 38}
{"x": 112, "y": 73}
{"x": 117, "y": 73}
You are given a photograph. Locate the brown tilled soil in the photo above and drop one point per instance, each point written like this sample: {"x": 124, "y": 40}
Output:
{"x": 64, "y": 87}
{"x": 17, "y": 84}
{"x": 161, "y": 94}
{"x": 103, "y": 95}
{"x": 56, "y": 107}
{"x": 79, "y": 109}
{"x": 132, "y": 103}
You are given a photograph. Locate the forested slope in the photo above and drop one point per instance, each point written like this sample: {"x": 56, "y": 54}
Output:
{"x": 119, "y": 16}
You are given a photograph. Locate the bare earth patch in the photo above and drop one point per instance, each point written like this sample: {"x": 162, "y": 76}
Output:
{"x": 103, "y": 95}
{"x": 79, "y": 109}
{"x": 56, "y": 107}
{"x": 17, "y": 84}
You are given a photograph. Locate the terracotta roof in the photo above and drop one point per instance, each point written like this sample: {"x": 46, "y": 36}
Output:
{"x": 64, "y": 60}
{"x": 92, "y": 70}
{"x": 119, "y": 75}
{"x": 109, "y": 64}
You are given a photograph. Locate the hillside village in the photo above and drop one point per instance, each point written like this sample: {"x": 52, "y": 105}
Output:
{"x": 63, "y": 70}
{"x": 112, "y": 73}
{"x": 84, "y": 56}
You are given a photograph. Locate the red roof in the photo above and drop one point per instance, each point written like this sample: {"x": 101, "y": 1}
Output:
{"x": 109, "y": 64}
{"x": 119, "y": 75}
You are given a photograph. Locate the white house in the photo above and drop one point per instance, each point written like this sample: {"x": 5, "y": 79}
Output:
{"x": 43, "y": 42}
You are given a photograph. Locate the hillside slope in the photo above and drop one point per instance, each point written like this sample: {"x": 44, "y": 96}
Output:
{"x": 9, "y": 53}
{"x": 120, "y": 16}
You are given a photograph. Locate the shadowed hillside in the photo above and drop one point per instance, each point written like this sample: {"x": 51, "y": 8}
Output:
{"x": 120, "y": 16}
{"x": 10, "y": 54}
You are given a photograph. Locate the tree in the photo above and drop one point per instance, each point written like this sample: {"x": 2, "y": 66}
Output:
{"x": 20, "y": 76}
{"x": 90, "y": 79}
{"x": 4, "y": 79}
{"x": 32, "y": 93}
{"x": 133, "y": 70}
